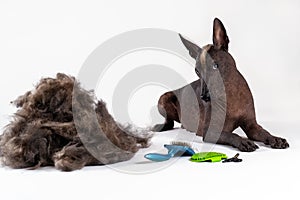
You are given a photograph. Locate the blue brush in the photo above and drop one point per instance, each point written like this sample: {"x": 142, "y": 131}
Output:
{"x": 174, "y": 149}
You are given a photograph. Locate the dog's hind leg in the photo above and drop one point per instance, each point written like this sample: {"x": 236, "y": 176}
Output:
{"x": 168, "y": 106}
{"x": 257, "y": 133}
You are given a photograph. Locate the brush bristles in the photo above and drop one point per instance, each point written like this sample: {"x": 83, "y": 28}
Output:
{"x": 181, "y": 143}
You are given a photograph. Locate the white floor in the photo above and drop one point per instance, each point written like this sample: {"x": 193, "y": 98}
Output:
{"x": 39, "y": 39}
{"x": 264, "y": 174}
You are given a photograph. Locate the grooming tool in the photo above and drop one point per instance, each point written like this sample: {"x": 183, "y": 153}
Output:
{"x": 174, "y": 149}
{"x": 233, "y": 159}
{"x": 208, "y": 157}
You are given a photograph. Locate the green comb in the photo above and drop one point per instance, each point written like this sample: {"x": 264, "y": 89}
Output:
{"x": 208, "y": 157}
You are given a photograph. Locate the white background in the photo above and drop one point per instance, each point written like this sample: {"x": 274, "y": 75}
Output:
{"x": 40, "y": 38}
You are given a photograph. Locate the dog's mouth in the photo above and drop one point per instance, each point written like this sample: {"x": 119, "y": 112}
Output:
{"x": 205, "y": 96}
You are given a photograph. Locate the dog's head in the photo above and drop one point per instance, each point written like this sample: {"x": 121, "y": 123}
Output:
{"x": 213, "y": 61}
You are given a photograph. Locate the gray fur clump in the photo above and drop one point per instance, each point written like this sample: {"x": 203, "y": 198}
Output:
{"x": 63, "y": 125}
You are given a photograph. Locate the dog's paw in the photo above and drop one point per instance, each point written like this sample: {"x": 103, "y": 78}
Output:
{"x": 277, "y": 142}
{"x": 247, "y": 145}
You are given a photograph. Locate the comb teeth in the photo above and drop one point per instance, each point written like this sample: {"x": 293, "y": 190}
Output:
{"x": 181, "y": 143}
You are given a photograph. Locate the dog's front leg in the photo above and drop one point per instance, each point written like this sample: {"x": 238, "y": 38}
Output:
{"x": 257, "y": 133}
{"x": 231, "y": 139}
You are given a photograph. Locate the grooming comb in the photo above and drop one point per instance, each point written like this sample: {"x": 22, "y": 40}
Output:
{"x": 174, "y": 149}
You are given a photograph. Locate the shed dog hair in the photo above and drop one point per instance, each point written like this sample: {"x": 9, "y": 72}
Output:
{"x": 63, "y": 125}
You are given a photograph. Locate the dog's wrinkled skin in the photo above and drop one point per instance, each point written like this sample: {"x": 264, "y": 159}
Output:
{"x": 44, "y": 132}
{"x": 238, "y": 109}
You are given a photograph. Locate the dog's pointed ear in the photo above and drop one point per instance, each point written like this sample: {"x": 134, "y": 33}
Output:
{"x": 220, "y": 38}
{"x": 194, "y": 50}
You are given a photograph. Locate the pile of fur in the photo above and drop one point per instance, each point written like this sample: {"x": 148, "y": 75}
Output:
{"x": 61, "y": 124}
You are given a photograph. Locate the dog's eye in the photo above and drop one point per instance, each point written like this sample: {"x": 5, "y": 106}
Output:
{"x": 215, "y": 66}
{"x": 197, "y": 71}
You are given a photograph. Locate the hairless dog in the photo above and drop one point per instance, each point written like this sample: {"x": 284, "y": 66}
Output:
{"x": 218, "y": 102}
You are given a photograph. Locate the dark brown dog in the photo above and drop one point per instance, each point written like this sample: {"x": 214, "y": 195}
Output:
{"x": 217, "y": 107}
